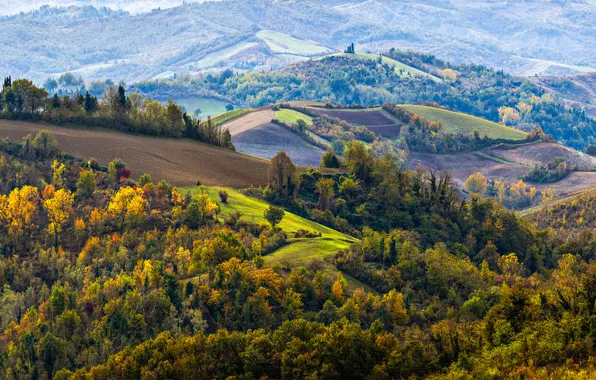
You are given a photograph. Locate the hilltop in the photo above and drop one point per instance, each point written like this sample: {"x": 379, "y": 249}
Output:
{"x": 362, "y": 80}
{"x": 460, "y": 122}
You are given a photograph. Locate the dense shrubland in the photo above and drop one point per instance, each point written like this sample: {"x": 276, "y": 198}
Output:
{"x": 553, "y": 171}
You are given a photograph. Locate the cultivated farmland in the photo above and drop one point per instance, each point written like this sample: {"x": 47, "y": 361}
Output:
{"x": 281, "y": 43}
{"x": 254, "y": 134}
{"x": 462, "y": 165}
{"x": 375, "y": 119}
{"x": 267, "y": 140}
{"x": 180, "y": 162}
{"x": 538, "y": 154}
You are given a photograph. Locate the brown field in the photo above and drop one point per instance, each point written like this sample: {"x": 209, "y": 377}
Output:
{"x": 249, "y": 121}
{"x": 377, "y": 120}
{"x": 180, "y": 162}
{"x": 366, "y": 117}
{"x": 255, "y": 135}
{"x": 542, "y": 153}
{"x": 510, "y": 167}
{"x": 463, "y": 165}
{"x": 267, "y": 140}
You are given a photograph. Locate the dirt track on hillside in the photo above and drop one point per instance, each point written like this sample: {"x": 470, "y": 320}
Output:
{"x": 180, "y": 162}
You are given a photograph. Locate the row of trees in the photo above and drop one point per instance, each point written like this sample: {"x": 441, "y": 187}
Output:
{"x": 132, "y": 113}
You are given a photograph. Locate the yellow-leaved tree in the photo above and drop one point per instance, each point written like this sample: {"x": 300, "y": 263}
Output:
{"x": 476, "y": 184}
{"x": 59, "y": 209}
{"x": 449, "y": 75}
{"x": 509, "y": 115}
{"x": 17, "y": 213}
{"x": 128, "y": 207}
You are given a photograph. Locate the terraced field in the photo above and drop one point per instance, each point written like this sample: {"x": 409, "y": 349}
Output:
{"x": 180, "y": 162}
{"x": 298, "y": 252}
{"x": 459, "y": 122}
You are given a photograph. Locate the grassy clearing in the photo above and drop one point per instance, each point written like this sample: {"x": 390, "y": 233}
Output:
{"x": 207, "y": 106}
{"x": 297, "y": 252}
{"x": 212, "y": 59}
{"x": 224, "y": 118}
{"x": 288, "y": 116}
{"x": 284, "y": 44}
{"x": 459, "y": 122}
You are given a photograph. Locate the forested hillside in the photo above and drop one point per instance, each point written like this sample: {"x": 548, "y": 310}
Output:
{"x": 352, "y": 80}
{"x": 106, "y": 276}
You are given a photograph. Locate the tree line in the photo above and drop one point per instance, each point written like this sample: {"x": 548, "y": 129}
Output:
{"x": 131, "y": 113}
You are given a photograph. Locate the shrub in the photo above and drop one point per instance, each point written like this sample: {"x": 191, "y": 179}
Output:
{"x": 223, "y": 195}
{"x": 306, "y": 234}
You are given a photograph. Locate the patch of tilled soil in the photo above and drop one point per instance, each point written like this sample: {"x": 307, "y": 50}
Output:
{"x": 267, "y": 140}
{"x": 180, "y": 162}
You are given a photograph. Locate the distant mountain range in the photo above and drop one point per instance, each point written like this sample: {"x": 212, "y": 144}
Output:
{"x": 523, "y": 37}
{"x": 12, "y": 7}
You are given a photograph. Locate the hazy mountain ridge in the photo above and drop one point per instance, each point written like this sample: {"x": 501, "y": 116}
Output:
{"x": 523, "y": 37}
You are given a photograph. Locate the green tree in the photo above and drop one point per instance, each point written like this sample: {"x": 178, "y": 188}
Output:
{"x": 274, "y": 215}
{"x": 360, "y": 161}
{"x": 330, "y": 160}
{"x": 281, "y": 174}
{"x": 325, "y": 190}
{"x": 86, "y": 183}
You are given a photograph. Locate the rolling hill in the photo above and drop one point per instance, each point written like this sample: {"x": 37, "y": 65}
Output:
{"x": 180, "y": 162}
{"x": 460, "y": 122}
{"x": 298, "y": 251}
{"x": 401, "y": 68}
{"x": 376, "y": 119}
{"x": 254, "y": 134}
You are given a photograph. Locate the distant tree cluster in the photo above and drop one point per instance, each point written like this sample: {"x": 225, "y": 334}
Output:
{"x": 555, "y": 170}
{"x": 516, "y": 195}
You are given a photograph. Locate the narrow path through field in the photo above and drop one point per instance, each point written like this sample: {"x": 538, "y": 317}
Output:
{"x": 178, "y": 161}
